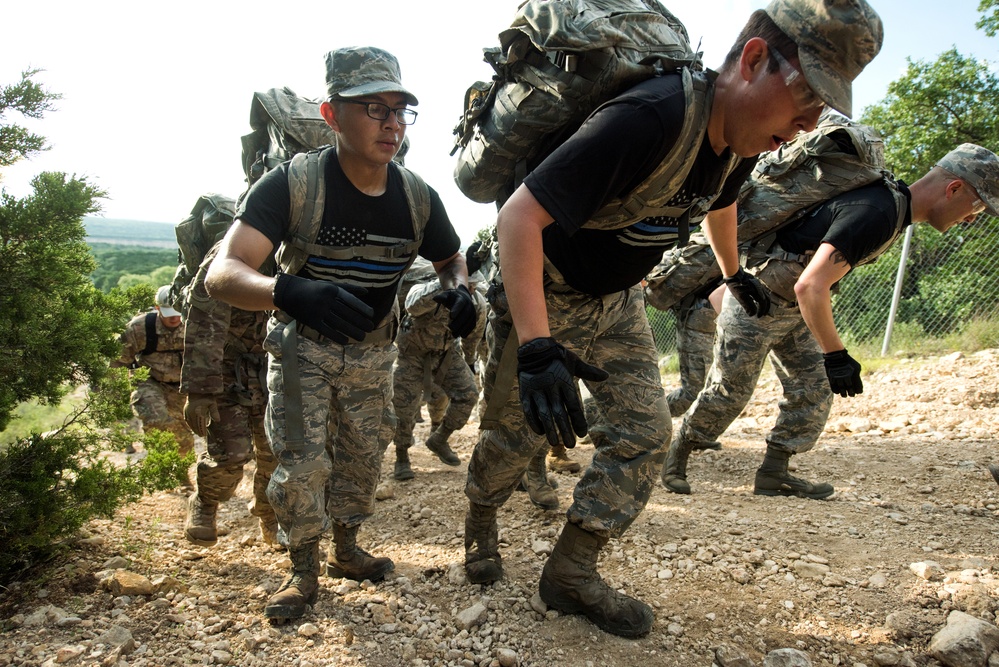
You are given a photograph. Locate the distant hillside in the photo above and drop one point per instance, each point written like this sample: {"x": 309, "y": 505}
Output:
{"x": 130, "y": 232}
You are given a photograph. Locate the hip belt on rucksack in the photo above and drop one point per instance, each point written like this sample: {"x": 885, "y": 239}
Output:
{"x": 778, "y": 270}
{"x": 385, "y": 332}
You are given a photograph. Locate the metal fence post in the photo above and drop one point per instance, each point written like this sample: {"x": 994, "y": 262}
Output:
{"x": 897, "y": 293}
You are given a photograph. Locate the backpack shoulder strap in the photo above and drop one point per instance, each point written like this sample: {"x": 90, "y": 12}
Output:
{"x": 152, "y": 338}
{"x": 651, "y": 196}
{"x": 307, "y": 186}
{"x": 418, "y": 198}
{"x": 307, "y": 189}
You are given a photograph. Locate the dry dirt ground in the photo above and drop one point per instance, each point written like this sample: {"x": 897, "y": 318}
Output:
{"x": 848, "y": 581}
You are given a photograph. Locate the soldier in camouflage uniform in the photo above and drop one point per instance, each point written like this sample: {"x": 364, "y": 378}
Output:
{"x": 571, "y": 282}
{"x": 695, "y": 335}
{"x": 347, "y": 223}
{"x": 472, "y": 349}
{"x": 158, "y": 401}
{"x": 808, "y": 260}
{"x": 224, "y": 377}
{"x": 429, "y": 355}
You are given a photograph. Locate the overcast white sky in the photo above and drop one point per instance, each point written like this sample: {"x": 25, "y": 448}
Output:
{"x": 156, "y": 96}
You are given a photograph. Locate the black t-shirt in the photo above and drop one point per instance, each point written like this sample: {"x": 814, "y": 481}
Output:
{"x": 856, "y": 223}
{"x": 352, "y": 218}
{"x": 616, "y": 149}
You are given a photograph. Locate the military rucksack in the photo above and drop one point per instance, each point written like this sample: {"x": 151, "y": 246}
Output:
{"x": 208, "y": 222}
{"x": 285, "y": 125}
{"x": 560, "y": 60}
{"x": 421, "y": 271}
{"x": 786, "y": 185}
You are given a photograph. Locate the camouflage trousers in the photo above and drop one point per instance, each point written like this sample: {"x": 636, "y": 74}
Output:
{"x": 161, "y": 406}
{"x": 742, "y": 344}
{"x": 695, "y": 341}
{"x": 235, "y": 439}
{"x": 613, "y": 333}
{"x": 449, "y": 372}
{"x": 332, "y": 474}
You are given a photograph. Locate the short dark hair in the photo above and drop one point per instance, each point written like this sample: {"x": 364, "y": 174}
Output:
{"x": 761, "y": 25}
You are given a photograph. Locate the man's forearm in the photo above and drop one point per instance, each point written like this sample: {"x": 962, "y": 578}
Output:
{"x": 816, "y": 310}
{"x": 232, "y": 281}
{"x": 721, "y": 229}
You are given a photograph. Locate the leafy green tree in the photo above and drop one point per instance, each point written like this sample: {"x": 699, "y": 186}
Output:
{"x": 157, "y": 277}
{"x": 31, "y": 100}
{"x": 934, "y": 107}
{"x": 485, "y": 234}
{"x": 58, "y": 331}
{"x": 990, "y": 17}
{"x": 56, "y": 328}
{"x": 114, "y": 262}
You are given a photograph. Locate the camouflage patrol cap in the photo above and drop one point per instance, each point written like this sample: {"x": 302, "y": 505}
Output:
{"x": 164, "y": 303}
{"x": 979, "y": 168}
{"x": 836, "y": 39}
{"x": 354, "y": 71}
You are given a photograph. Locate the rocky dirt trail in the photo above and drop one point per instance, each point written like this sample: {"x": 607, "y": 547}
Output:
{"x": 865, "y": 578}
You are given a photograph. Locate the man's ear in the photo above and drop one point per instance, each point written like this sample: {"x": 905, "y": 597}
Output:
{"x": 952, "y": 187}
{"x": 754, "y": 58}
{"x": 329, "y": 115}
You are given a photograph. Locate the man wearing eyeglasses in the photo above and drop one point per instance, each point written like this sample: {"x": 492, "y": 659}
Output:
{"x": 571, "y": 278}
{"x": 801, "y": 269}
{"x": 347, "y": 223}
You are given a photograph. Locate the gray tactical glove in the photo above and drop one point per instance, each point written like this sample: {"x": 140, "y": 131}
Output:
{"x": 749, "y": 292}
{"x": 329, "y": 308}
{"x": 549, "y": 393}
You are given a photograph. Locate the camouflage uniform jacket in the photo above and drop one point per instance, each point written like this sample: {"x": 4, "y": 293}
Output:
{"x": 164, "y": 364}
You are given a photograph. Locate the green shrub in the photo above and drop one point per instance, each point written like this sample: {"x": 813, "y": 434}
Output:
{"x": 52, "y": 485}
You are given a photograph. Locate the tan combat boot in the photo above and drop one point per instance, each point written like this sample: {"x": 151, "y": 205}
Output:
{"x": 346, "y": 560}
{"x": 559, "y": 461}
{"x": 570, "y": 583}
{"x": 268, "y": 529}
{"x": 535, "y": 481}
{"x": 483, "y": 564}
{"x": 200, "y": 527}
{"x": 301, "y": 589}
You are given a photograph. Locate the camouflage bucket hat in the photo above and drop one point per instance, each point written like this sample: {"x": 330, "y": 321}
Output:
{"x": 979, "y": 168}
{"x": 836, "y": 39}
{"x": 363, "y": 70}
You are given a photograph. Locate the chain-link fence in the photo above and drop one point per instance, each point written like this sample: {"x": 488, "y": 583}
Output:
{"x": 950, "y": 289}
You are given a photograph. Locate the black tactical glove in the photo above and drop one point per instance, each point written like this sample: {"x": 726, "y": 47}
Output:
{"x": 463, "y": 315}
{"x": 328, "y": 308}
{"x": 472, "y": 260}
{"x": 749, "y": 292}
{"x": 549, "y": 393}
{"x": 843, "y": 372}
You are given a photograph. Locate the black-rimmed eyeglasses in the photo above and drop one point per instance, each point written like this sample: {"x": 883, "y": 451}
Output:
{"x": 379, "y": 111}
